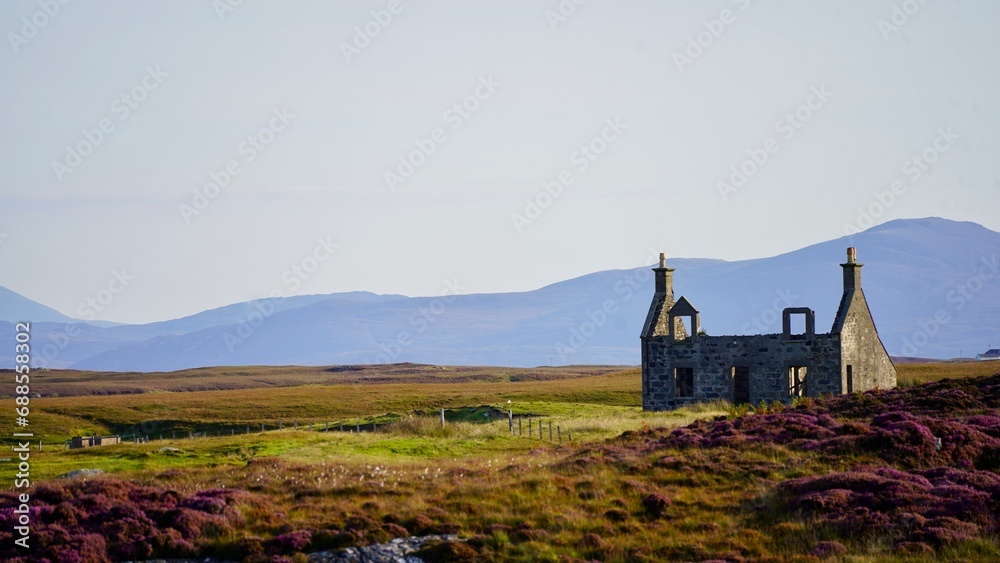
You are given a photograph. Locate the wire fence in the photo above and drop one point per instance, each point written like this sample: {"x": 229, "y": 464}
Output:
{"x": 524, "y": 426}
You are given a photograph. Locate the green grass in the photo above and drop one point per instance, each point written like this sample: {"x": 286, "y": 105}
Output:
{"x": 472, "y": 472}
{"x": 407, "y": 437}
{"x": 167, "y": 413}
{"x": 910, "y": 374}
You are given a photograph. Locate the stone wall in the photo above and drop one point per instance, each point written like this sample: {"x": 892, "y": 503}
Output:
{"x": 862, "y": 349}
{"x": 712, "y": 358}
{"x": 848, "y": 358}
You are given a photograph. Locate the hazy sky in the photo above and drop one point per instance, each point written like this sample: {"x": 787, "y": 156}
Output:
{"x": 642, "y": 107}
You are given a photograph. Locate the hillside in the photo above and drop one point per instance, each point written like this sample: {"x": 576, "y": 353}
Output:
{"x": 931, "y": 284}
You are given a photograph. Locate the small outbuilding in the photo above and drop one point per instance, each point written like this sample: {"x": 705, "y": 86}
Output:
{"x": 93, "y": 441}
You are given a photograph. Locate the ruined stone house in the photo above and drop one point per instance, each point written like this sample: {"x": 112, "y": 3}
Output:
{"x": 681, "y": 365}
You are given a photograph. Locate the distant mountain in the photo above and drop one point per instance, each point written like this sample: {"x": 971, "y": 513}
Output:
{"x": 932, "y": 284}
{"x": 15, "y": 307}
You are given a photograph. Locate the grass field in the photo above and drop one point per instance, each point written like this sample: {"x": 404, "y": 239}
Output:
{"x": 154, "y": 413}
{"x": 519, "y": 497}
{"x": 582, "y": 407}
{"x": 159, "y": 404}
{"x": 915, "y": 373}
{"x": 66, "y": 383}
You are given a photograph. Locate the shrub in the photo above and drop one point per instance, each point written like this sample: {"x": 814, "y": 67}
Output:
{"x": 936, "y": 506}
{"x": 655, "y": 504}
{"x": 827, "y": 549}
{"x": 395, "y": 530}
{"x": 420, "y": 525}
{"x": 293, "y": 542}
{"x": 448, "y": 551}
{"x": 110, "y": 519}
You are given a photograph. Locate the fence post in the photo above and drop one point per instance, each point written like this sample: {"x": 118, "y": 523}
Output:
{"x": 279, "y": 424}
{"x": 296, "y": 424}
{"x": 39, "y": 445}
{"x": 358, "y": 427}
{"x": 550, "y": 430}
{"x": 341, "y": 425}
{"x": 510, "y": 419}
{"x": 531, "y": 427}
{"x": 442, "y": 417}
{"x": 520, "y": 428}
{"x": 173, "y": 434}
{"x": 559, "y": 433}
{"x": 540, "y": 430}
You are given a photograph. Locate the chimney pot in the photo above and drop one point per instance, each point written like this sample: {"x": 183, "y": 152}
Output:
{"x": 663, "y": 260}
{"x": 852, "y": 270}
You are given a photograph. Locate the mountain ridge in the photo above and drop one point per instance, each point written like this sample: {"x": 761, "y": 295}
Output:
{"x": 919, "y": 270}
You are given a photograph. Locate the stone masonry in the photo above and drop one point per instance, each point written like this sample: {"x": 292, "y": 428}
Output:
{"x": 680, "y": 368}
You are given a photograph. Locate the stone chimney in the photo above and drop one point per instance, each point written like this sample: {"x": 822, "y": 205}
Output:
{"x": 852, "y": 270}
{"x": 664, "y": 277}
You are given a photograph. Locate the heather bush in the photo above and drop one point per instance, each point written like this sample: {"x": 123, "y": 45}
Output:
{"x": 110, "y": 519}
{"x": 592, "y": 541}
{"x": 448, "y": 551}
{"x": 290, "y": 543}
{"x": 655, "y": 504}
{"x": 936, "y": 507}
{"x": 395, "y": 530}
{"x": 827, "y": 549}
{"x": 420, "y": 525}
{"x": 616, "y": 515}
{"x": 905, "y": 426}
